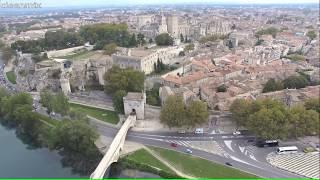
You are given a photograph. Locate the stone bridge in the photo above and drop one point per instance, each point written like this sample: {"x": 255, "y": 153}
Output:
{"x": 113, "y": 153}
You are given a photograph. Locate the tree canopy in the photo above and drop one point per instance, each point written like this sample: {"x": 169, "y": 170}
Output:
{"x": 312, "y": 34}
{"x": 118, "y": 101}
{"x": 55, "y": 102}
{"x": 164, "y": 39}
{"x": 128, "y": 80}
{"x": 271, "y": 31}
{"x": 272, "y": 85}
{"x": 54, "y": 40}
{"x": 175, "y": 113}
{"x": 271, "y": 119}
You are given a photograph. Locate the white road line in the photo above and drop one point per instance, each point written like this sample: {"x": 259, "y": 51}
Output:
{"x": 228, "y": 144}
{"x": 252, "y": 157}
{"x": 241, "y": 149}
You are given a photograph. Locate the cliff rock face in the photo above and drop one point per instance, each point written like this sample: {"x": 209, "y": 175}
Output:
{"x": 31, "y": 79}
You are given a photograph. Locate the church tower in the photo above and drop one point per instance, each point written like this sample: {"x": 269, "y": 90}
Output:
{"x": 163, "y": 28}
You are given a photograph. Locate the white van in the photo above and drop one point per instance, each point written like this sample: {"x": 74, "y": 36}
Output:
{"x": 199, "y": 131}
{"x": 287, "y": 150}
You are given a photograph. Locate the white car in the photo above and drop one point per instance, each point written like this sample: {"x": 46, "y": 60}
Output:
{"x": 236, "y": 133}
{"x": 199, "y": 131}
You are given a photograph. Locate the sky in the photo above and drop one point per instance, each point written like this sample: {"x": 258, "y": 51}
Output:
{"x": 65, "y": 3}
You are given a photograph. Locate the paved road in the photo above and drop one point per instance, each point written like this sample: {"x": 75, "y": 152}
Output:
{"x": 227, "y": 142}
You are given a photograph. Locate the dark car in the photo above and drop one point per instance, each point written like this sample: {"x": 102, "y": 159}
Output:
{"x": 174, "y": 144}
{"x": 229, "y": 164}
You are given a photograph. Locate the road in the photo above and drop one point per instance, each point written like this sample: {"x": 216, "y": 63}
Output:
{"x": 234, "y": 153}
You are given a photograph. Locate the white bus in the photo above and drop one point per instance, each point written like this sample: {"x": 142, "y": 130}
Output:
{"x": 287, "y": 150}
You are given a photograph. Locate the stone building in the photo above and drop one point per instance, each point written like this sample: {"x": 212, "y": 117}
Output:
{"x": 134, "y": 103}
{"x": 173, "y": 26}
{"x": 144, "y": 59}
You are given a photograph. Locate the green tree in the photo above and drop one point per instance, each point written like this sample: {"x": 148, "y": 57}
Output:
{"x": 153, "y": 96}
{"x": 303, "y": 122}
{"x": 150, "y": 41}
{"x": 240, "y": 111}
{"x": 61, "y": 103}
{"x": 75, "y": 141}
{"x": 128, "y": 80}
{"x": 173, "y": 112}
{"x": 196, "y": 113}
{"x": 181, "y": 38}
{"x": 311, "y": 34}
{"x": 140, "y": 39}
{"x": 189, "y": 47}
{"x": 222, "y": 88}
{"x": 164, "y": 39}
{"x": 269, "y": 123}
{"x": 311, "y": 104}
{"x": 272, "y": 85}
{"x": 118, "y": 101}
{"x": 295, "y": 82}
{"x": 109, "y": 49}
{"x": 271, "y": 31}
{"x": 46, "y": 99}
{"x": 55, "y": 102}
{"x": 133, "y": 40}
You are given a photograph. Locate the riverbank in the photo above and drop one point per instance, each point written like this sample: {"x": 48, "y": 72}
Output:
{"x": 66, "y": 137}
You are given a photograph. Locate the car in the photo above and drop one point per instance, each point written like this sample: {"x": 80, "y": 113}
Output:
{"x": 236, "y": 133}
{"x": 181, "y": 131}
{"x": 174, "y": 144}
{"x": 228, "y": 164}
{"x": 188, "y": 151}
{"x": 199, "y": 131}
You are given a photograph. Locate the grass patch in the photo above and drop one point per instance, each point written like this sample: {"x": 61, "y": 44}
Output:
{"x": 144, "y": 157}
{"x": 198, "y": 167}
{"x": 11, "y": 77}
{"x": 78, "y": 56}
{"x": 296, "y": 57}
{"x": 101, "y": 114}
{"x": 47, "y": 119}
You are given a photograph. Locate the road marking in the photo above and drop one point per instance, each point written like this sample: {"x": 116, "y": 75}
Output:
{"x": 305, "y": 164}
{"x": 252, "y": 157}
{"x": 241, "y": 149}
{"x": 239, "y": 160}
{"x": 228, "y": 144}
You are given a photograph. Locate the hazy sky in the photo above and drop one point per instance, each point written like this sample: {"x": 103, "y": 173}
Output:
{"x": 61, "y": 3}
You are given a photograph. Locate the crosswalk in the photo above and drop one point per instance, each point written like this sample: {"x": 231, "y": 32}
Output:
{"x": 207, "y": 146}
{"x": 305, "y": 164}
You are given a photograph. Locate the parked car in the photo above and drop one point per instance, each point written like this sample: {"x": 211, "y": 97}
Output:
{"x": 181, "y": 131}
{"x": 174, "y": 144}
{"x": 229, "y": 164}
{"x": 188, "y": 151}
{"x": 236, "y": 133}
{"x": 199, "y": 131}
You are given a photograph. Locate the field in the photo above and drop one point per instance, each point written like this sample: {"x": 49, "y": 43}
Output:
{"x": 101, "y": 114}
{"x": 199, "y": 167}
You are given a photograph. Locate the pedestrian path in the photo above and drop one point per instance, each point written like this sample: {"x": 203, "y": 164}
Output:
{"x": 305, "y": 164}
{"x": 207, "y": 146}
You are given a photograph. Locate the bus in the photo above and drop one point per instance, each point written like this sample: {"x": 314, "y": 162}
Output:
{"x": 270, "y": 143}
{"x": 287, "y": 150}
